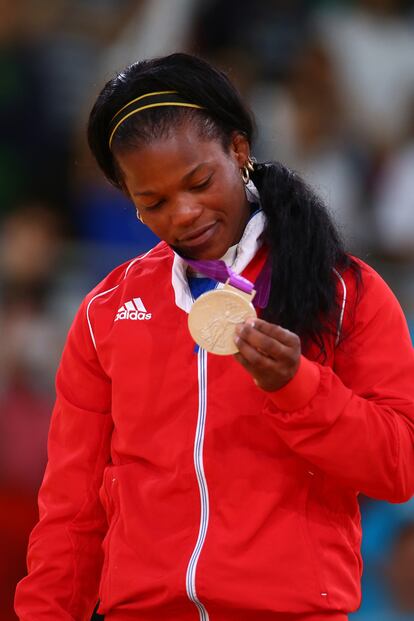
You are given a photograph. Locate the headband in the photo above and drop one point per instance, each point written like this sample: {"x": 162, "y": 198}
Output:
{"x": 150, "y": 100}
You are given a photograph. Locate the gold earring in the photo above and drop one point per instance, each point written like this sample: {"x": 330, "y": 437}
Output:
{"x": 247, "y": 168}
{"x": 245, "y": 175}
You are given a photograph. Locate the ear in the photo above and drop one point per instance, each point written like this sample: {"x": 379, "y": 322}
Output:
{"x": 240, "y": 148}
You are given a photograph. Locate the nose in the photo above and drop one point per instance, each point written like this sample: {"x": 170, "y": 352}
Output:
{"x": 185, "y": 213}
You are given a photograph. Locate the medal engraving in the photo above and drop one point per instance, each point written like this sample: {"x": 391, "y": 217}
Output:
{"x": 214, "y": 316}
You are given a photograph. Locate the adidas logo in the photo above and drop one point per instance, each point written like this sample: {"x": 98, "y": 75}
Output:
{"x": 134, "y": 309}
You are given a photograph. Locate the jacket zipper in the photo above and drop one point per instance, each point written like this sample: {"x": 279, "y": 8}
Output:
{"x": 202, "y": 484}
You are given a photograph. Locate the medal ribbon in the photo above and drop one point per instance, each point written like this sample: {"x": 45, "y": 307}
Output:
{"x": 219, "y": 271}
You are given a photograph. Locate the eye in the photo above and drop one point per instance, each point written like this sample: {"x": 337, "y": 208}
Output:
{"x": 151, "y": 207}
{"x": 202, "y": 185}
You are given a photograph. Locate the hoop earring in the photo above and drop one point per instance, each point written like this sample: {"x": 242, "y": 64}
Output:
{"x": 245, "y": 175}
{"x": 139, "y": 217}
{"x": 245, "y": 171}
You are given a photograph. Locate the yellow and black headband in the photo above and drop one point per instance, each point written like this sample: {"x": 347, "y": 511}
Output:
{"x": 150, "y": 100}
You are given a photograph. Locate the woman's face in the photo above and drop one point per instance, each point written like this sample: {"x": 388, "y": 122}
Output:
{"x": 189, "y": 191}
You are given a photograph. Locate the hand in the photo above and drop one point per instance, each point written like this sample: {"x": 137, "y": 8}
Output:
{"x": 268, "y": 352}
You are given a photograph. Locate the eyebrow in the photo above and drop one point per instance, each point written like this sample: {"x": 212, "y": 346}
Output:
{"x": 185, "y": 178}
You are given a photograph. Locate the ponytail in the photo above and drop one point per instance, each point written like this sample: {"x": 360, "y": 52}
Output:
{"x": 305, "y": 248}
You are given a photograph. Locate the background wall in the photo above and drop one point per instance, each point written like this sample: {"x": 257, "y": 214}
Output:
{"x": 332, "y": 84}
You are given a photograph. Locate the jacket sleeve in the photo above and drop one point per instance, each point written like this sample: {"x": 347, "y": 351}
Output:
{"x": 64, "y": 556}
{"x": 355, "y": 422}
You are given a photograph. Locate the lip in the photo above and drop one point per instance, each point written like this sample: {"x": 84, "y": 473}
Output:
{"x": 198, "y": 237}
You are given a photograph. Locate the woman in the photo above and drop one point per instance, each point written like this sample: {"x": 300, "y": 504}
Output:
{"x": 187, "y": 485}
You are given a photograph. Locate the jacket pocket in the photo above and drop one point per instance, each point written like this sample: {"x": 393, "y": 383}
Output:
{"x": 111, "y": 502}
{"x": 313, "y": 543}
{"x": 333, "y": 528}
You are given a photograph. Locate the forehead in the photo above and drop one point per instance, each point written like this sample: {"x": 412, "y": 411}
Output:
{"x": 170, "y": 157}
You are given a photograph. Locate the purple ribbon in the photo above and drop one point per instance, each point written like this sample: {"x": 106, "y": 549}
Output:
{"x": 219, "y": 271}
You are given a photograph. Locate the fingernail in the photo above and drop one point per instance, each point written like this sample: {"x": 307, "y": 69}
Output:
{"x": 251, "y": 322}
{"x": 236, "y": 340}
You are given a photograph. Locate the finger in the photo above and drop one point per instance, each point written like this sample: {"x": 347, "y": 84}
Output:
{"x": 267, "y": 345}
{"x": 257, "y": 360}
{"x": 275, "y": 331}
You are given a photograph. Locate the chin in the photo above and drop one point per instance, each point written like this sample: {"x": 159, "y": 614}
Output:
{"x": 210, "y": 254}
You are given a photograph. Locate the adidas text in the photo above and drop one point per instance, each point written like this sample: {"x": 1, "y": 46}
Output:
{"x": 134, "y": 310}
{"x": 134, "y": 315}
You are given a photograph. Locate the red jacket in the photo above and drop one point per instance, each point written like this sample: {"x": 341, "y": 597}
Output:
{"x": 177, "y": 489}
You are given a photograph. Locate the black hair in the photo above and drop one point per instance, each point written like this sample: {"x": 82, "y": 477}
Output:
{"x": 223, "y": 110}
{"x": 305, "y": 248}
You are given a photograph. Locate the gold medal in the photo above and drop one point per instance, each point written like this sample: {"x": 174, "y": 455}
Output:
{"x": 214, "y": 316}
